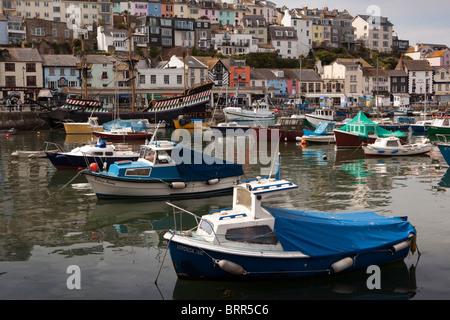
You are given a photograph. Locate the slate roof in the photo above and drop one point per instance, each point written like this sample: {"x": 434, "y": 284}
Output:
{"x": 59, "y": 60}
{"x": 20, "y": 55}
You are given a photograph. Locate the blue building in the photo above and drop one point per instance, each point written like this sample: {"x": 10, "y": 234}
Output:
{"x": 154, "y": 8}
{"x": 59, "y": 71}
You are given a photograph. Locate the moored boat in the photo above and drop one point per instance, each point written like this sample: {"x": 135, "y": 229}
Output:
{"x": 193, "y": 100}
{"x": 251, "y": 241}
{"x": 361, "y": 130}
{"x": 259, "y": 111}
{"x": 439, "y": 126}
{"x": 101, "y": 153}
{"x": 322, "y": 114}
{"x": 421, "y": 125}
{"x": 83, "y": 127}
{"x": 8, "y": 131}
{"x": 123, "y": 134}
{"x": 165, "y": 170}
{"x": 444, "y": 147}
{"x": 322, "y": 134}
{"x": 392, "y": 146}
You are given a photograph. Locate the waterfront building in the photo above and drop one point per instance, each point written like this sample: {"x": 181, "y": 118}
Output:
{"x": 20, "y": 71}
{"x": 376, "y": 87}
{"x": 398, "y": 87}
{"x": 349, "y": 74}
{"x": 374, "y": 31}
{"x": 420, "y": 79}
{"x": 60, "y": 71}
{"x": 442, "y": 84}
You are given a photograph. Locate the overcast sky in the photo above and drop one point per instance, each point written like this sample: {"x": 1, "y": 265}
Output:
{"x": 413, "y": 20}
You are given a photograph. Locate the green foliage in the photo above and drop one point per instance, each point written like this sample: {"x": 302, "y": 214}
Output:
{"x": 154, "y": 52}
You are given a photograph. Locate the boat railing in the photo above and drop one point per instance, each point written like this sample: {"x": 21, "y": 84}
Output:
{"x": 443, "y": 137}
{"x": 52, "y": 146}
{"x": 197, "y": 218}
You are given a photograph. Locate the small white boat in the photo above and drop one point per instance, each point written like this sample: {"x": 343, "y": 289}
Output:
{"x": 322, "y": 114}
{"x": 223, "y": 126}
{"x": 392, "y": 146}
{"x": 252, "y": 241}
{"x": 259, "y": 111}
{"x": 25, "y": 154}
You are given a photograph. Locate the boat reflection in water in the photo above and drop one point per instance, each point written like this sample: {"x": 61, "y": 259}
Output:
{"x": 397, "y": 282}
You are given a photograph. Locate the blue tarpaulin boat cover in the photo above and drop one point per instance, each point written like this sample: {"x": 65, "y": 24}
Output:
{"x": 323, "y": 234}
{"x": 196, "y": 166}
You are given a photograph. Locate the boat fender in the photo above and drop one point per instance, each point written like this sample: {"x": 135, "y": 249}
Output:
{"x": 231, "y": 267}
{"x": 212, "y": 181}
{"x": 414, "y": 244}
{"x": 60, "y": 156}
{"x": 394, "y": 151}
{"x": 177, "y": 185}
{"x": 298, "y": 138}
{"x": 400, "y": 246}
{"x": 93, "y": 167}
{"x": 380, "y": 151}
{"x": 342, "y": 264}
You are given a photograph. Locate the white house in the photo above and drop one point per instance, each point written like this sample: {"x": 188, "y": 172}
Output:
{"x": 374, "y": 31}
{"x": 284, "y": 40}
{"x": 113, "y": 37}
{"x": 420, "y": 78}
{"x": 303, "y": 25}
{"x": 229, "y": 43}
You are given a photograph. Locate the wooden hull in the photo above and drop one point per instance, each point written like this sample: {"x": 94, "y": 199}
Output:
{"x": 81, "y": 128}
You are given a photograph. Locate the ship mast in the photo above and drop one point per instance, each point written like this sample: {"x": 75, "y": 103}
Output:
{"x": 131, "y": 63}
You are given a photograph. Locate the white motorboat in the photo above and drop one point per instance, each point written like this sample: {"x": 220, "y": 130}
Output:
{"x": 259, "y": 111}
{"x": 392, "y": 146}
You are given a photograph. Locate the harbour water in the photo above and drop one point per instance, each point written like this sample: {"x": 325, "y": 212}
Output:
{"x": 51, "y": 220}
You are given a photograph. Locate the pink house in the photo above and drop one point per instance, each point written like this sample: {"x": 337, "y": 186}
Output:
{"x": 140, "y": 8}
{"x": 440, "y": 58}
{"x": 211, "y": 10}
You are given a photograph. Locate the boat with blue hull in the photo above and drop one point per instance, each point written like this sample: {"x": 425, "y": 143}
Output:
{"x": 165, "y": 170}
{"x": 101, "y": 154}
{"x": 251, "y": 241}
{"x": 444, "y": 147}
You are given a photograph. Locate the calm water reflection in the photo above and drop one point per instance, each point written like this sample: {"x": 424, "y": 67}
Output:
{"x": 51, "y": 219}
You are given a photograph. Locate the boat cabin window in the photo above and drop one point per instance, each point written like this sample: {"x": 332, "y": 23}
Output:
{"x": 108, "y": 153}
{"x": 162, "y": 157}
{"x": 244, "y": 198}
{"x": 252, "y": 234}
{"x": 206, "y": 226}
{"x": 138, "y": 172}
{"x": 97, "y": 153}
{"x": 392, "y": 143}
{"x": 147, "y": 154}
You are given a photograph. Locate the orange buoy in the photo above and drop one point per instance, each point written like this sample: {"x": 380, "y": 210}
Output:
{"x": 93, "y": 166}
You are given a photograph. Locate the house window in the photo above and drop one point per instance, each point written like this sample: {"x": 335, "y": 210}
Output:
{"x": 31, "y": 67}
{"x": 10, "y": 81}
{"x": 10, "y": 67}
{"x": 179, "y": 79}
{"x": 153, "y": 79}
{"x": 104, "y": 75}
{"x": 141, "y": 79}
{"x": 31, "y": 81}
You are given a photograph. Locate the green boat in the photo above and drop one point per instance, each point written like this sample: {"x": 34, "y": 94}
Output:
{"x": 439, "y": 126}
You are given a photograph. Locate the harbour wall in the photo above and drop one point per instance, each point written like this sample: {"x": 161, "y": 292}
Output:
{"x": 22, "y": 120}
